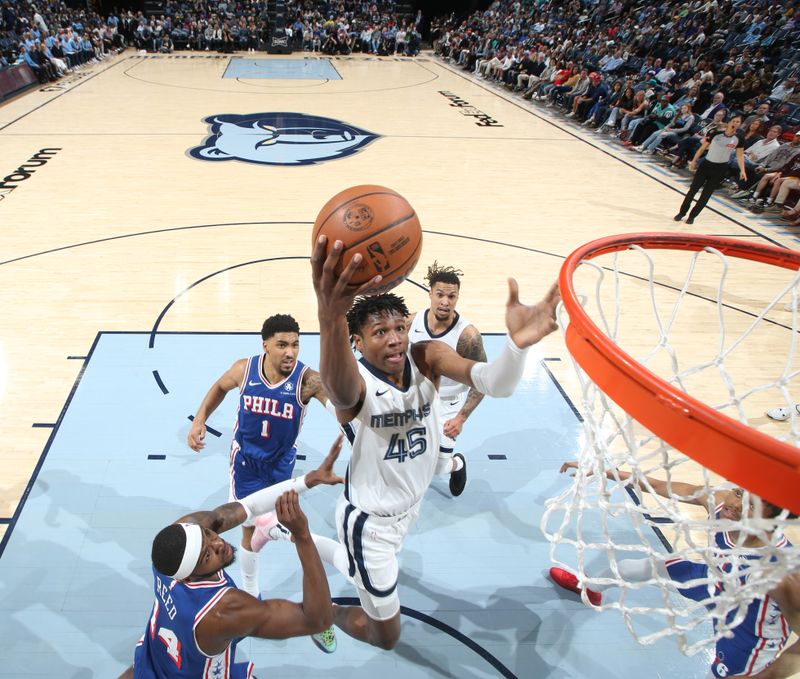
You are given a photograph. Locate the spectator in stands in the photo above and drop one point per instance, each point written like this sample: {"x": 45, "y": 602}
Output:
{"x": 596, "y": 91}
{"x": 774, "y": 181}
{"x": 544, "y": 78}
{"x": 771, "y": 164}
{"x": 675, "y": 130}
{"x": 717, "y": 103}
{"x": 754, "y": 156}
{"x": 640, "y": 106}
{"x": 575, "y": 86}
{"x": 657, "y": 117}
{"x": 785, "y": 90}
{"x": 601, "y": 108}
{"x": 761, "y": 113}
{"x": 622, "y": 106}
{"x": 779, "y": 118}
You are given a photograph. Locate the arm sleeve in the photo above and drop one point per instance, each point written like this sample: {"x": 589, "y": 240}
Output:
{"x": 500, "y": 377}
{"x": 263, "y": 501}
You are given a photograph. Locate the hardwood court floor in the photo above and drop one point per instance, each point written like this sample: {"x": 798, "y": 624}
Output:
{"x": 121, "y": 229}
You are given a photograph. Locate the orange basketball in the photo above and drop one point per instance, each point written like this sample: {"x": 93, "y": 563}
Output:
{"x": 378, "y": 223}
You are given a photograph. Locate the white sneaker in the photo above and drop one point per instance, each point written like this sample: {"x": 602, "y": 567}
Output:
{"x": 268, "y": 528}
{"x": 782, "y": 414}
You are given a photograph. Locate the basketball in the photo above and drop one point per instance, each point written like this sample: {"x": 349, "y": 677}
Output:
{"x": 378, "y": 223}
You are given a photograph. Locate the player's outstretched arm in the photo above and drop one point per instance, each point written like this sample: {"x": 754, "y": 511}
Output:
{"x": 231, "y": 514}
{"x": 335, "y": 295}
{"x": 659, "y": 487}
{"x": 231, "y": 379}
{"x": 527, "y": 324}
{"x": 238, "y": 614}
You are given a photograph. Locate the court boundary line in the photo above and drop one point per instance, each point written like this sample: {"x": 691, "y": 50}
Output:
{"x": 539, "y": 116}
{"x": 442, "y": 627}
{"x": 43, "y": 456}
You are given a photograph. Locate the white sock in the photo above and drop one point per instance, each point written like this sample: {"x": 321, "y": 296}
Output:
{"x": 444, "y": 463}
{"x": 248, "y": 563}
{"x": 633, "y": 570}
{"x": 458, "y": 463}
{"x": 332, "y": 552}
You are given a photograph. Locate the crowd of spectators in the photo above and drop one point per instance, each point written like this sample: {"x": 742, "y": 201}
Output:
{"x": 340, "y": 27}
{"x": 658, "y": 77}
{"x": 54, "y": 39}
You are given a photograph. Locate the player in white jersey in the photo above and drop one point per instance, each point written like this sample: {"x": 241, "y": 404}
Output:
{"x": 391, "y": 392}
{"x": 442, "y": 322}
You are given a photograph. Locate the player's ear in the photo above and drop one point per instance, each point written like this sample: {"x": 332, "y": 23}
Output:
{"x": 355, "y": 338}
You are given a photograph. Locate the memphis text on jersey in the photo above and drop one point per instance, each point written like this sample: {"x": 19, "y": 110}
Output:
{"x": 401, "y": 418}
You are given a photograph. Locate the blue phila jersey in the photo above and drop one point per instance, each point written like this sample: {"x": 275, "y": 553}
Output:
{"x": 168, "y": 649}
{"x": 763, "y": 621}
{"x": 270, "y": 416}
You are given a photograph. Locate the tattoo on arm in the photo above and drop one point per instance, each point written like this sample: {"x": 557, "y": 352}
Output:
{"x": 312, "y": 387}
{"x": 470, "y": 345}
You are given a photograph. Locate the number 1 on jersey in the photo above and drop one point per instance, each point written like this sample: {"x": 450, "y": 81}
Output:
{"x": 265, "y": 429}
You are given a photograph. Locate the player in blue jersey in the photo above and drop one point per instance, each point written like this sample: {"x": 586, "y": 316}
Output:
{"x": 274, "y": 390}
{"x": 392, "y": 391}
{"x": 757, "y": 641}
{"x": 199, "y": 615}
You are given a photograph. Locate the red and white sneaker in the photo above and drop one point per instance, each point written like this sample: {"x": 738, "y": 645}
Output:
{"x": 569, "y": 581}
{"x": 268, "y": 528}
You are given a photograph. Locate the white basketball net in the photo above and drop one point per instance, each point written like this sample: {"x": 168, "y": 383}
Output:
{"x": 601, "y": 521}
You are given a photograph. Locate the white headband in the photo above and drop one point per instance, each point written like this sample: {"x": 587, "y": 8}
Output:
{"x": 194, "y": 543}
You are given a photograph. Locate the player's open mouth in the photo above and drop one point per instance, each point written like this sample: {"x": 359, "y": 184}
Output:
{"x": 728, "y": 513}
{"x": 395, "y": 358}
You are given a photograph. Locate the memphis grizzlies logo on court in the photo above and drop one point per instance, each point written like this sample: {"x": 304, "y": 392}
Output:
{"x": 280, "y": 139}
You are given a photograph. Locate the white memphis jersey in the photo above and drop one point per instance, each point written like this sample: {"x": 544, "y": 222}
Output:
{"x": 396, "y": 442}
{"x": 419, "y": 332}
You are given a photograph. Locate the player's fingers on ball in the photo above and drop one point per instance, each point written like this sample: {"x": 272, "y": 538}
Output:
{"x": 369, "y": 284}
{"x": 350, "y": 269}
{"x": 332, "y": 258}
{"x": 318, "y": 253}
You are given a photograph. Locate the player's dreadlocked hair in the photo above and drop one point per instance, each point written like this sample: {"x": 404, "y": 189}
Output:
{"x": 278, "y": 323}
{"x": 443, "y": 274}
{"x": 374, "y": 305}
{"x": 168, "y": 548}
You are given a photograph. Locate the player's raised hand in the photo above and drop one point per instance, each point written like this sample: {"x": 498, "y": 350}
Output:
{"x": 197, "y": 435}
{"x": 290, "y": 515}
{"x": 528, "y": 324}
{"x": 335, "y": 292}
{"x": 324, "y": 474}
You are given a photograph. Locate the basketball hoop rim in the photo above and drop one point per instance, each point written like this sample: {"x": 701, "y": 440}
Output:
{"x": 753, "y": 460}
